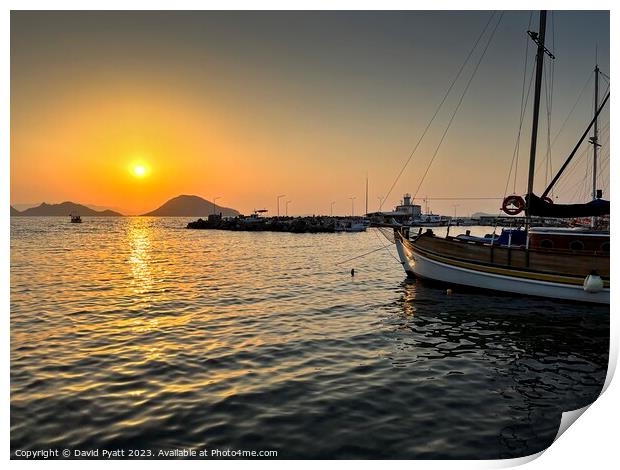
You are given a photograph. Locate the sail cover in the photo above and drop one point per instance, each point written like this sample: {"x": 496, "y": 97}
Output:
{"x": 542, "y": 208}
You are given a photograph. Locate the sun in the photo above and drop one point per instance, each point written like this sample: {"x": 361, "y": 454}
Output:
{"x": 139, "y": 171}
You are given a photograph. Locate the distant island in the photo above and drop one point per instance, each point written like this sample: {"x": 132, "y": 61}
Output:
{"x": 64, "y": 209}
{"x": 180, "y": 206}
{"x": 190, "y": 206}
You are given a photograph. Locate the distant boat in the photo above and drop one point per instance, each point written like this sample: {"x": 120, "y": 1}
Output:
{"x": 405, "y": 212}
{"x": 76, "y": 219}
{"x": 351, "y": 225}
{"x": 431, "y": 220}
{"x": 409, "y": 213}
{"x": 558, "y": 263}
{"x": 255, "y": 217}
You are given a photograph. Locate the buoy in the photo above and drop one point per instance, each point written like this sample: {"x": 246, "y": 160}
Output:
{"x": 352, "y": 272}
{"x": 449, "y": 291}
{"x": 593, "y": 283}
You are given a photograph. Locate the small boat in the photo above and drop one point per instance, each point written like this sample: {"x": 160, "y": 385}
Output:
{"x": 553, "y": 262}
{"x": 431, "y": 220}
{"x": 76, "y": 219}
{"x": 351, "y": 225}
{"x": 254, "y": 218}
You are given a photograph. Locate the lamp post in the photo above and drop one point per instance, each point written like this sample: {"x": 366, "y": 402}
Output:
{"x": 215, "y": 199}
{"x": 331, "y": 209}
{"x": 352, "y": 206}
{"x": 455, "y": 206}
{"x": 287, "y": 207}
{"x": 278, "y": 202}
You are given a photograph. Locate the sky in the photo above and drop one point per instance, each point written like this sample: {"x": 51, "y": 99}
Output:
{"x": 246, "y": 106}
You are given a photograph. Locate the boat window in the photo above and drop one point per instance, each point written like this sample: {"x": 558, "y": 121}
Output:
{"x": 605, "y": 247}
{"x": 546, "y": 243}
{"x": 576, "y": 245}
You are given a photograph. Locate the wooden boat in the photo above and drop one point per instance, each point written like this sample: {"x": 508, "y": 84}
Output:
{"x": 559, "y": 263}
{"x": 560, "y": 273}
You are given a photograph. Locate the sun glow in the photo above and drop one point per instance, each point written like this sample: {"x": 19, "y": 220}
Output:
{"x": 139, "y": 171}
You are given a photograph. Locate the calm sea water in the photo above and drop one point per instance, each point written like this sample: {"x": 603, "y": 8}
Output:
{"x": 136, "y": 333}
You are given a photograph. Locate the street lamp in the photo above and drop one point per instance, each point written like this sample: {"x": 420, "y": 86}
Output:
{"x": 215, "y": 199}
{"x": 287, "y": 207}
{"x": 352, "y": 206}
{"x": 278, "y": 202}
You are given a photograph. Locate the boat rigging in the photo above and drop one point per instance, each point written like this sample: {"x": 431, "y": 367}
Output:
{"x": 559, "y": 263}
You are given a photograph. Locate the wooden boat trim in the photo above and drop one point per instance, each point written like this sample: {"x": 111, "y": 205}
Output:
{"x": 505, "y": 271}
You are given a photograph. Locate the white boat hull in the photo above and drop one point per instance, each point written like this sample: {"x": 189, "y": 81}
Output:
{"x": 405, "y": 255}
{"x": 415, "y": 264}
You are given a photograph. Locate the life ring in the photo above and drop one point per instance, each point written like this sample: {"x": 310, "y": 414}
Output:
{"x": 513, "y": 205}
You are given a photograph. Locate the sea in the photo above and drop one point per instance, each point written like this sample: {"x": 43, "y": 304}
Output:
{"x": 137, "y": 334}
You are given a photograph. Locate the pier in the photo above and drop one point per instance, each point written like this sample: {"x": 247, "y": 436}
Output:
{"x": 253, "y": 223}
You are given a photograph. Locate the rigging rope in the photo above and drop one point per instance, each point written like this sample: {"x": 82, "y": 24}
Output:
{"x": 462, "y": 198}
{"x": 386, "y": 247}
{"x": 541, "y": 162}
{"x": 360, "y": 256}
{"x": 549, "y": 77}
{"x": 445, "y": 132}
{"x": 515, "y": 153}
{"x": 515, "y": 156}
{"x": 518, "y": 144}
{"x": 547, "y": 159}
{"x": 550, "y": 97}
{"x": 604, "y": 173}
{"x": 415, "y": 148}
{"x": 563, "y": 183}
{"x": 590, "y": 75}
{"x": 565, "y": 176}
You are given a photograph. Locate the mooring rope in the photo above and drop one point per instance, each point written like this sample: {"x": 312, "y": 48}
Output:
{"x": 360, "y": 256}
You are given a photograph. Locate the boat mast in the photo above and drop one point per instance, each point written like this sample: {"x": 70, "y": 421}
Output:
{"x": 594, "y": 139}
{"x": 539, "y": 39}
{"x": 366, "y": 194}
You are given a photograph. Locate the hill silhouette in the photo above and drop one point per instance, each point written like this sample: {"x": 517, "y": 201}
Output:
{"x": 190, "y": 206}
{"x": 14, "y": 211}
{"x": 65, "y": 209}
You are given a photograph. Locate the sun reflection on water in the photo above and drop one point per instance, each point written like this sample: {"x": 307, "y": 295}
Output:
{"x": 139, "y": 235}
{"x": 134, "y": 332}
{"x": 409, "y": 295}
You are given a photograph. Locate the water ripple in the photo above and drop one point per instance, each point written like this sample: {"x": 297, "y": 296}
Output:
{"x": 133, "y": 333}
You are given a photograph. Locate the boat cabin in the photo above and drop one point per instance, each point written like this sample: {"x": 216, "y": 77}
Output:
{"x": 569, "y": 239}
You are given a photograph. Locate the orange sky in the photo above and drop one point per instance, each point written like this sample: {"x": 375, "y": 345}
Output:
{"x": 238, "y": 107}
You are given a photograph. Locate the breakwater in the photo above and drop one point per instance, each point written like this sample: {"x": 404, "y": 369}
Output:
{"x": 310, "y": 224}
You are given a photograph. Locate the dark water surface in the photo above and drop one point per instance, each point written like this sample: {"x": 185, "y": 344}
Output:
{"x": 136, "y": 333}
